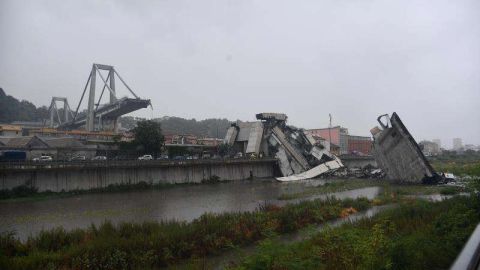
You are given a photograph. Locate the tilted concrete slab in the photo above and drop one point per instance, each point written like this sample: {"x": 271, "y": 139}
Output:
{"x": 398, "y": 154}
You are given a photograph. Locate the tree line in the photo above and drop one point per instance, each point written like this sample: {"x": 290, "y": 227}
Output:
{"x": 12, "y": 109}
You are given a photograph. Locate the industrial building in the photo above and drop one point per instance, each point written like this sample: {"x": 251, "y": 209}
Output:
{"x": 62, "y": 148}
{"x": 348, "y": 144}
{"x": 10, "y": 130}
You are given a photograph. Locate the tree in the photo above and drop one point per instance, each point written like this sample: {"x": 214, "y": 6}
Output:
{"x": 148, "y": 135}
{"x": 224, "y": 149}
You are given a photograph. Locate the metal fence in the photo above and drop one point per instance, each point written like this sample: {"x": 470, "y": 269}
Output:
{"x": 469, "y": 258}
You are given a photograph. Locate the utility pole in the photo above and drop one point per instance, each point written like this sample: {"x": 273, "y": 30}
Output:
{"x": 329, "y": 132}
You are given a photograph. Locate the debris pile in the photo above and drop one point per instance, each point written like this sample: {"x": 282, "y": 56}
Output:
{"x": 299, "y": 155}
{"x": 365, "y": 172}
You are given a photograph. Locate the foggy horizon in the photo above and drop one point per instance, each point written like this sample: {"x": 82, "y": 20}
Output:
{"x": 227, "y": 59}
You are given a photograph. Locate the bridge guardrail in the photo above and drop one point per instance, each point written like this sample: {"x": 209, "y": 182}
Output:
{"x": 469, "y": 258}
{"x": 59, "y": 164}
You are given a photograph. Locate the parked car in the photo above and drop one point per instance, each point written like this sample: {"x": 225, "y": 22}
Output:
{"x": 178, "y": 158}
{"x": 162, "y": 157}
{"x": 78, "y": 158}
{"x": 145, "y": 157}
{"x": 238, "y": 155}
{"x": 99, "y": 158}
{"x": 43, "y": 159}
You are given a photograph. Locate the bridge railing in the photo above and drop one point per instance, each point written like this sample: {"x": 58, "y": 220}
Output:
{"x": 57, "y": 164}
{"x": 469, "y": 258}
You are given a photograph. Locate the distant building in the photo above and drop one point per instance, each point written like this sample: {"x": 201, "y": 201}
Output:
{"x": 349, "y": 144}
{"x": 457, "y": 144}
{"x": 336, "y": 135}
{"x": 209, "y": 141}
{"x": 429, "y": 148}
{"x": 10, "y": 130}
{"x": 438, "y": 142}
{"x": 332, "y": 148}
{"x": 180, "y": 139}
{"x": 59, "y": 148}
{"x": 359, "y": 145}
{"x": 92, "y": 136}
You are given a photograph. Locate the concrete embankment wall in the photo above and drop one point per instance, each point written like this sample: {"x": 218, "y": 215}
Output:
{"x": 56, "y": 177}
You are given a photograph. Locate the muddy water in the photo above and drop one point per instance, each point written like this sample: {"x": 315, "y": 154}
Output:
{"x": 180, "y": 203}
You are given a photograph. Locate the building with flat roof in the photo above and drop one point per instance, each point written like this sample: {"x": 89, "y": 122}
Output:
{"x": 457, "y": 144}
{"x": 360, "y": 145}
{"x": 438, "y": 142}
{"x": 10, "y": 130}
{"x": 62, "y": 148}
{"x": 349, "y": 144}
{"x": 336, "y": 135}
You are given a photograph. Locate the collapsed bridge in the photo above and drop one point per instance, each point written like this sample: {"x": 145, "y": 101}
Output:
{"x": 98, "y": 116}
{"x": 298, "y": 155}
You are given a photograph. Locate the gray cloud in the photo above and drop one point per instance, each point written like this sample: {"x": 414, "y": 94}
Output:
{"x": 354, "y": 59}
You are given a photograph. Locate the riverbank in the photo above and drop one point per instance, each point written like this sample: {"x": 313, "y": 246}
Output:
{"x": 158, "y": 244}
{"x": 387, "y": 187}
{"x": 208, "y": 217}
{"x": 26, "y": 193}
{"x": 416, "y": 235}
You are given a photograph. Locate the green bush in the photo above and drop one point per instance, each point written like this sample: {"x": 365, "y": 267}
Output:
{"x": 418, "y": 235}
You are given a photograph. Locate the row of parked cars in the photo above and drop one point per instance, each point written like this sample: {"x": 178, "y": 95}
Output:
{"x": 76, "y": 158}
{"x": 165, "y": 157}
{"x": 46, "y": 158}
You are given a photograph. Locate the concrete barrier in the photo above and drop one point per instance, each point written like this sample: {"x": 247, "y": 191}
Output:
{"x": 55, "y": 177}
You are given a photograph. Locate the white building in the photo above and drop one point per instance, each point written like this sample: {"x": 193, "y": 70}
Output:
{"x": 457, "y": 144}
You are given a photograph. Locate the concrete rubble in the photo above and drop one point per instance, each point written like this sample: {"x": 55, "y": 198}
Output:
{"x": 367, "y": 172}
{"x": 397, "y": 153}
{"x": 299, "y": 155}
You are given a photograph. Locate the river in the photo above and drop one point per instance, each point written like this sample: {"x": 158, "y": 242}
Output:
{"x": 183, "y": 202}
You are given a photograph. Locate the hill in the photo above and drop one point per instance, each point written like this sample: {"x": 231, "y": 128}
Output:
{"x": 212, "y": 127}
{"x": 12, "y": 109}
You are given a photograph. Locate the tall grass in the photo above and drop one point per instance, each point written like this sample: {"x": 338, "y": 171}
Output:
{"x": 156, "y": 244}
{"x": 458, "y": 167}
{"x": 417, "y": 235}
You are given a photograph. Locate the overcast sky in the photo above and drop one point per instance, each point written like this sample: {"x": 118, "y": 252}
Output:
{"x": 232, "y": 59}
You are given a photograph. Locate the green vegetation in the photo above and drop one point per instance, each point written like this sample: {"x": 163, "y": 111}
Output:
{"x": 11, "y": 109}
{"x": 18, "y": 192}
{"x": 417, "y": 235}
{"x": 458, "y": 166}
{"x": 148, "y": 136}
{"x": 154, "y": 244}
{"x": 214, "y": 128}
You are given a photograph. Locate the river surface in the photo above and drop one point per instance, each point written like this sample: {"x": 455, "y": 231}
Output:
{"x": 184, "y": 203}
